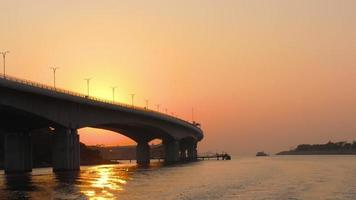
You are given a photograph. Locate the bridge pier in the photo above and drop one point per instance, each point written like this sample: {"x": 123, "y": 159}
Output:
{"x": 192, "y": 151}
{"x": 66, "y": 150}
{"x": 142, "y": 153}
{"x": 183, "y": 151}
{"x": 171, "y": 149}
{"x": 18, "y": 152}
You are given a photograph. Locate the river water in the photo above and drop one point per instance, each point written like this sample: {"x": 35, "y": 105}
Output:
{"x": 282, "y": 177}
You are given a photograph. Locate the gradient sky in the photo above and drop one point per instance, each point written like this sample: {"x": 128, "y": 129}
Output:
{"x": 261, "y": 75}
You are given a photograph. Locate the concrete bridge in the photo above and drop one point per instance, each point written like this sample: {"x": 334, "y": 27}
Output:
{"x": 26, "y": 106}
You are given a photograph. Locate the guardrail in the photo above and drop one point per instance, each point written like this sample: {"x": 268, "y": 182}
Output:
{"x": 96, "y": 99}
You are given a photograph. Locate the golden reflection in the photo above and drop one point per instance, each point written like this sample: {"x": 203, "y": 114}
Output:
{"x": 105, "y": 182}
{"x": 89, "y": 193}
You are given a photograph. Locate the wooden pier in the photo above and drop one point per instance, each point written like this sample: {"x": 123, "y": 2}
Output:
{"x": 223, "y": 156}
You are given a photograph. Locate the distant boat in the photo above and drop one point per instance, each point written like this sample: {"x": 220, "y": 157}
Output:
{"x": 261, "y": 153}
{"x": 226, "y": 157}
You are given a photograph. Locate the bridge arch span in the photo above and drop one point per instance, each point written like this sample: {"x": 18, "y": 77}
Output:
{"x": 15, "y": 120}
{"x": 40, "y": 105}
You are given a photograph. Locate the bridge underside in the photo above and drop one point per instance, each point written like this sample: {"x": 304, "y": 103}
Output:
{"x": 17, "y": 126}
{"x": 136, "y": 132}
{"x": 13, "y": 120}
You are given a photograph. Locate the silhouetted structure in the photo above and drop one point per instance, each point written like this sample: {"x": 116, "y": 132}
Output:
{"x": 42, "y": 151}
{"x": 27, "y": 106}
{"x": 217, "y": 156}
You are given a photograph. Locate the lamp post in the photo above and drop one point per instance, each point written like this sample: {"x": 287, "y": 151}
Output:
{"x": 146, "y": 103}
{"x": 88, "y": 80}
{"x": 4, "y": 59}
{"x": 54, "y": 75}
{"x": 193, "y": 115}
{"x": 132, "y": 99}
{"x": 113, "y": 93}
{"x": 157, "y": 107}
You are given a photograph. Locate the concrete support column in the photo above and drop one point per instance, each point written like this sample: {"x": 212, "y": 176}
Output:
{"x": 171, "y": 149}
{"x": 18, "y": 152}
{"x": 196, "y": 152}
{"x": 142, "y": 153}
{"x": 76, "y": 145}
{"x": 183, "y": 152}
{"x": 66, "y": 150}
{"x": 192, "y": 151}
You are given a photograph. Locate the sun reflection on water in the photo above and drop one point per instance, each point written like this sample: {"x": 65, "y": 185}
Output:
{"x": 104, "y": 182}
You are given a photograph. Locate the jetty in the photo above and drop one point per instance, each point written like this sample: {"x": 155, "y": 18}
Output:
{"x": 217, "y": 156}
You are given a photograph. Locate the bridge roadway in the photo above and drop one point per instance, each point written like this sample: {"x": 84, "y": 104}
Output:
{"x": 26, "y": 106}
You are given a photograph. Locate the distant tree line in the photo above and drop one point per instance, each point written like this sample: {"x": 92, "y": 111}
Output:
{"x": 330, "y": 146}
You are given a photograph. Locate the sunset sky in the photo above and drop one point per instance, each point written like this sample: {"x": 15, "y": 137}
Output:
{"x": 260, "y": 74}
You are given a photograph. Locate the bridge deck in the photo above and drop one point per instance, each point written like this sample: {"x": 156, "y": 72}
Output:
{"x": 84, "y": 98}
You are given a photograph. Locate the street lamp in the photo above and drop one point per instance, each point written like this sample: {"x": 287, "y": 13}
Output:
{"x": 132, "y": 99}
{"x": 87, "y": 79}
{"x": 146, "y": 103}
{"x": 113, "y": 93}
{"x": 3, "y": 59}
{"x": 54, "y": 75}
{"x": 166, "y": 111}
{"x": 192, "y": 114}
{"x": 157, "y": 107}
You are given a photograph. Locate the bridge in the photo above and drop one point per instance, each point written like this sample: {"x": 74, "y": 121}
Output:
{"x": 26, "y": 106}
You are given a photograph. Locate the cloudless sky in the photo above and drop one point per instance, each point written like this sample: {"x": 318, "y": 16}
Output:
{"x": 260, "y": 74}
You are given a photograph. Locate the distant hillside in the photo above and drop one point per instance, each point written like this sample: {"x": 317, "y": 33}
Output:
{"x": 330, "y": 148}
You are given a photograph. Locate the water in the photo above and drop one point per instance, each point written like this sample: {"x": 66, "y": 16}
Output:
{"x": 284, "y": 177}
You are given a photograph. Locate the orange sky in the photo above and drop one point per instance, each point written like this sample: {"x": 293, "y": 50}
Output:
{"x": 261, "y": 75}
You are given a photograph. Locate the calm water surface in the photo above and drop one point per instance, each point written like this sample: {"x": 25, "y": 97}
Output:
{"x": 287, "y": 177}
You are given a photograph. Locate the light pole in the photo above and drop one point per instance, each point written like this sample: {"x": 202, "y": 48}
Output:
{"x": 113, "y": 93}
{"x": 132, "y": 99}
{"x": 192, "y": 114}
{"x": 146, "y": 103}
{"x": 4, "y": 59}
{"x": 166, "y": 111}
{"x": 157, "y": 107}
{"x": 54, "y": 75}
{"x": 88, "y": 80}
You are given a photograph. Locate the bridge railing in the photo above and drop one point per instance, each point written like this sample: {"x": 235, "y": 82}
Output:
{"x": 77, "y": 94}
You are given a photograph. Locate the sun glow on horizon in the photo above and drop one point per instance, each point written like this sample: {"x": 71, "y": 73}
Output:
{"x": 259, "y": 74}
{"x": 94, "y": 136}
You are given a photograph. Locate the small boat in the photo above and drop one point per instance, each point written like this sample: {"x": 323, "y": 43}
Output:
{"x": 226, "y": 157}
{"x": 261, "y": 153}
